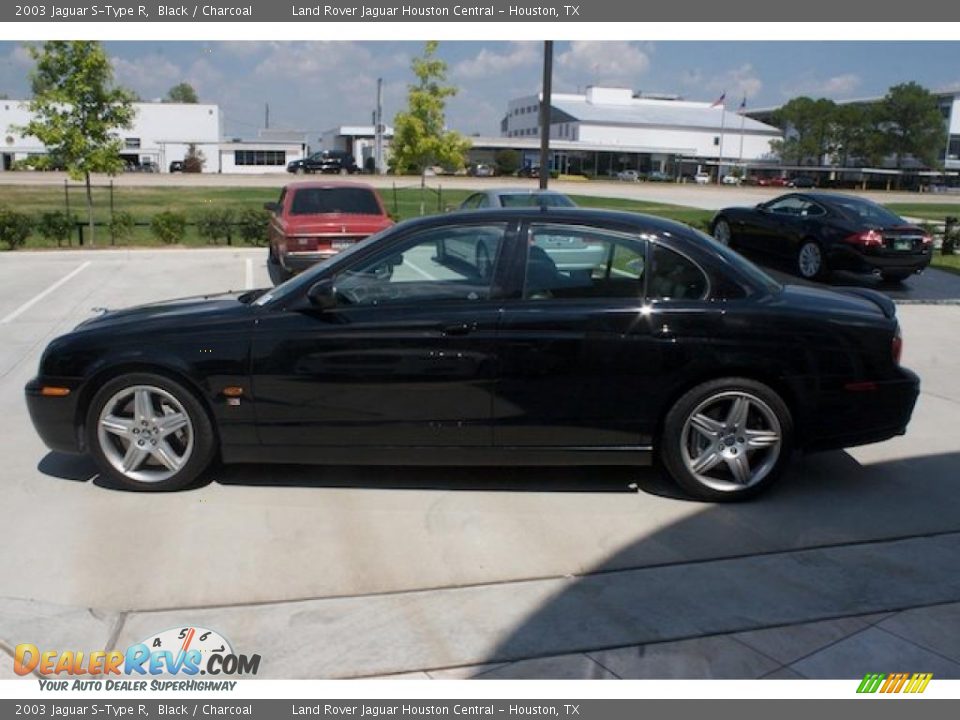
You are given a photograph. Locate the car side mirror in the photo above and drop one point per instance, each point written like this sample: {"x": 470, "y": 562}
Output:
{"x": 762, "y": 207}
{"x": 273, "y": 207}
{"x": 322, "y": 295}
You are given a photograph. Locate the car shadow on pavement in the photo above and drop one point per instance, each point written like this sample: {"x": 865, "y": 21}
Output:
{"x": 834, "y": 539}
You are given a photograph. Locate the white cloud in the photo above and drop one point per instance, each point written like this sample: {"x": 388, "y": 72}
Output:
{"x": 736, "y": 83}
{"x": 603, "y": 63}
{"x": 837, "y": 86}
{"x": 150, "y": 76}
{"x": 488, "y": 63}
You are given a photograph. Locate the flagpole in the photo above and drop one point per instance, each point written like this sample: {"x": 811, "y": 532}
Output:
{"x": 723, "y": 119}
{"x": 743, "y": 117}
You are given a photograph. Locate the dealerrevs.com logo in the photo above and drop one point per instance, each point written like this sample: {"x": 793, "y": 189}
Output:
{"x": 185, "y": 652}
{"x": 888, "y": 683}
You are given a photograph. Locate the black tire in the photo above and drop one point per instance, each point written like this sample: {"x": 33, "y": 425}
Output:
{"x": 822, "y": 271}
{"x": 895, "y": 277}
{"x": 278, "y": 274}
{"x": 730, "y": 241}
{"x": 673, "y": 454}
{"x": 204, "y": 439}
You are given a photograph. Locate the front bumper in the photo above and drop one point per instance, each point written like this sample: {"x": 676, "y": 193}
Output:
{"x": 54, "y": 418}
{"x": 863, "y": 413}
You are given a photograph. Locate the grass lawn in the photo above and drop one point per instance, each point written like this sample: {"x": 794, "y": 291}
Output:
{"x": 933, "y": 211}
{"x": 950, "y": 263}
{"x": 144, "y": 203}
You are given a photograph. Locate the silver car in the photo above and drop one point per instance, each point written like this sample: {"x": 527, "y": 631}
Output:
{"x": 570, "y": 254}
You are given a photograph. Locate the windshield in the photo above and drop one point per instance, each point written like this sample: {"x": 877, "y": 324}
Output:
{"x": 867, "y": 212}
{"x": 304, "y": 280}
{"x": 535, "y": 200}
{"x": 319, "y": 201}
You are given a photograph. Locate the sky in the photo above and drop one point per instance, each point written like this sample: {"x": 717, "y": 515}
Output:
{"x": 314, "y": 86}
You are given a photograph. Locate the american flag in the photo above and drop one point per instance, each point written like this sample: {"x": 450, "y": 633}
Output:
{"x": 720, "y": 100}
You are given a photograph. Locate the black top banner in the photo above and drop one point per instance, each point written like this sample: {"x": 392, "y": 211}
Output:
{"x": 745, "y": 11}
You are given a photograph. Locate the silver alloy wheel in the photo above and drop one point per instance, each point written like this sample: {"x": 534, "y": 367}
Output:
{"x": 721, "y": 232}
{"x": 145, "y": 433}
{"x": 810, "y": 260}
{"x": 731, "y": 441}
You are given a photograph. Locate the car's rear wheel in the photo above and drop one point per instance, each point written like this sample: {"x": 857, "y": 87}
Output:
{"x": 300, "y": 171}
{"x": 811, "y": 264}
{"x": 721, "y": 232}
{"x": 277, "y": 272}
{"x": 727, "y": 439}
{"x": 147, "y": 432}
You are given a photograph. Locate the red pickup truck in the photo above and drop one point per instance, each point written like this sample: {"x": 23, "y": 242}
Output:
{"x": 313, "y": 221}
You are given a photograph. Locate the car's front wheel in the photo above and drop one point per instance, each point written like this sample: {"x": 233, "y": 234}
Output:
{"x": 727, "y": 439}
{"x": 148, "y": 432}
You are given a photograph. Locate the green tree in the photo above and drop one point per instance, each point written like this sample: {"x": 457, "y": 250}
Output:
{"x": 56, "y": 227}
{"x": 182, "y": 93}
{"x": 15, "y": 227}
{"x": 420, "y": 137}
{"x": 194, "y": 160}
{"x": 912, "y": 125}
{"x": 857, "y": 137}
{"x": 122, "y": 225}
{"x": 215, "y": 223}
{"x": 77, "y": 110}
{"x": 808, "y": 126}
{"x": 168, "y": 226}
{"x": 254, "y": 224}
{"x": 508, "y": 162}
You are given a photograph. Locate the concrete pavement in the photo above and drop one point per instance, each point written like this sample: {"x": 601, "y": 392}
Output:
{"x": 371, "y": 571}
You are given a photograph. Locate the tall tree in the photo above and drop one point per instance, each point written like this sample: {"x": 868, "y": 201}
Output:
{"x": 76, "y": 110}
{"x": 182, "y": 93}
{"x": 857, "y": 137}
{"x": 420, "y": 137}
{"x": 808, "y": 130}
{"x": 912, "y": 124}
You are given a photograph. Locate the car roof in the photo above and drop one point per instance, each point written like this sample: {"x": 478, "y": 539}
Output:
{"x": 556, "y": 214}
{"x": 517, "y": 191}
{"x": 828, "y": 197}
{"x": 302, "y": 184}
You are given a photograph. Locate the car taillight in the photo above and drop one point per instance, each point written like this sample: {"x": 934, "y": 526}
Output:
{"x": 897, "y": 346}
{"x": 868, "y": 238}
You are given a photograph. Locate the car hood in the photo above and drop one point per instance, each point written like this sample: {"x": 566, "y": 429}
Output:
{"x": 842, "y": 300}
{"x": 178, "y": 312}
{"x": 338, "y": 223}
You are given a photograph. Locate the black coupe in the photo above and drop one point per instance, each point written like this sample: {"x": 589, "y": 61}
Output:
{"x": 821, "y": 232}
{"x": 392, "y": 353}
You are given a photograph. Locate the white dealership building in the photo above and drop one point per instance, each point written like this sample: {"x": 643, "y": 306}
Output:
{"x": 162, "y": 133}
{"x": 607, "y": 129}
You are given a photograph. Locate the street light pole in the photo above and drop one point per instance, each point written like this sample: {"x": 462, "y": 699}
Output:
{"x": 545, "y": 103}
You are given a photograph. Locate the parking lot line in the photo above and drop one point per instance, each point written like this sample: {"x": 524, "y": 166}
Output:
{"x": 37, "y": 298}
{"x": 248, "y": 280}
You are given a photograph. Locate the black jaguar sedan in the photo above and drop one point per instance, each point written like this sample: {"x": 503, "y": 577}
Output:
{"x": 821, "y": 232}
{"x": 670, "y": 347}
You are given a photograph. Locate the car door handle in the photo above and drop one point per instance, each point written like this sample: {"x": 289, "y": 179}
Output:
{"x": 459, "y": 329}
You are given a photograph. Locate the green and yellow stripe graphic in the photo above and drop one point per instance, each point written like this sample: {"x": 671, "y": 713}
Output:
{"x": 894, "y": 683}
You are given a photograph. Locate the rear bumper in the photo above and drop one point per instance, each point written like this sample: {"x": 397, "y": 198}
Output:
{"x": 844, "y": 257}
{"x": 54, "y": 417}
{"x": 299, "y": 261}
{"x": 865, "y": 413}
